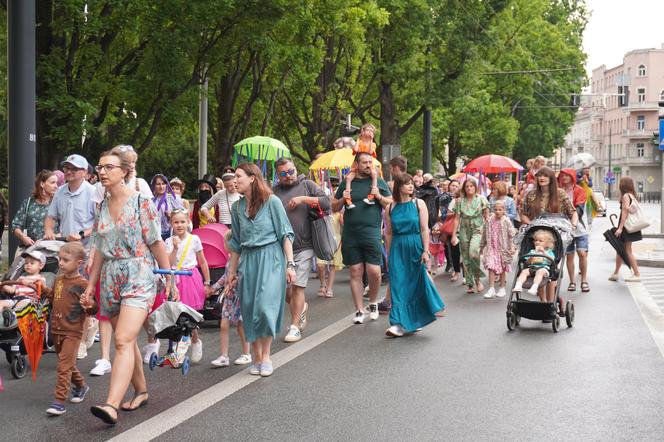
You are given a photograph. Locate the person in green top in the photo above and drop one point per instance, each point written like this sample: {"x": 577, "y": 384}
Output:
{"x": 28, "y": 223}
{"x": 473, "y": 211}
{"x": 361, "y": 236}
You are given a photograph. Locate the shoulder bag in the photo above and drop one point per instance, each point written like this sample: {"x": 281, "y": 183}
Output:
{"x": 322, "y": 234}
{"x": 636, "y": 219}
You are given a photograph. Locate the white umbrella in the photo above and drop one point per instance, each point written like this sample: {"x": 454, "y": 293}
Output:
{"x": 580, "y": 160}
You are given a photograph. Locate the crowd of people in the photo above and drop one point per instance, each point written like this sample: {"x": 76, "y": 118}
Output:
{"x": 119, "y": 228}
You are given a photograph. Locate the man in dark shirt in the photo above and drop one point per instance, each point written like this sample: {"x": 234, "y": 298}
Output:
{"x": 361, "y": 236}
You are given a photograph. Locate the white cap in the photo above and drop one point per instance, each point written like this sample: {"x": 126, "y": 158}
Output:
{"x": 77, "y": 161}
{"x": 36, "y": 254}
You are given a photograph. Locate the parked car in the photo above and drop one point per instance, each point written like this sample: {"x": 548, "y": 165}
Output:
{"x": 601, "y": 203}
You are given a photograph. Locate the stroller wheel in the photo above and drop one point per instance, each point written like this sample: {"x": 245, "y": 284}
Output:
{"x": 555, "y": 324}
{"x": 511, "y": 320}
{"x": 19, "y": 367}
{"x": 185, "y": 366}
{"x": 154, "y": 360}
{"x": 569, "y": 313}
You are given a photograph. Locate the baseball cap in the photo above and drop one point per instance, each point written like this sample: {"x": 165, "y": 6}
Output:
{"x": 77, "y": 161}
{"x": 36, "y": 254}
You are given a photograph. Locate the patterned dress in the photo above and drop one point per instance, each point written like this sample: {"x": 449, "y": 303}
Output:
{"x": 497, "y": 239}
{"x": 126, "y": 275}
{"x": 470, "y": 234}
{"x": 30, "y": 217}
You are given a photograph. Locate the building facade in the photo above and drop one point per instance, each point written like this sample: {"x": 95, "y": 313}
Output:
{"x": 623, "y": 118}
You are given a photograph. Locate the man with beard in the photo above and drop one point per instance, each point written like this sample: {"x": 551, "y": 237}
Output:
{"x": 361, "y": 240}
{"x": 298, "y": 194}
{"x": 205, "y": 186}
{"x": 223, "y": 200}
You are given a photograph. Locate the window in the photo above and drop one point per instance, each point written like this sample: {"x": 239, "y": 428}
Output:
{"x": 640, "y": 122}
{"x": 661, "y": 95}
{"x": 640, "y": 150}
{"x": 641, "y": 93}
{"x": 642, "y": 70}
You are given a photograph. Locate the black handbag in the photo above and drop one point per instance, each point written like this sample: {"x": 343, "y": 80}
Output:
{"x": 322, "y": 234}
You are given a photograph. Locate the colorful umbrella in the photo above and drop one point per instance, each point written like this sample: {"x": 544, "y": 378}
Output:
{"x": 337, "y": 159}
{"x": 580, "y": 160}
{"x": 492, "y": 164}
{"x": 31, "y": 325}
{"x": 262, "y": 148}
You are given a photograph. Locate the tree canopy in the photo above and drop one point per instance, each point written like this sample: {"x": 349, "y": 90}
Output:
{"x": 497, "y": 75}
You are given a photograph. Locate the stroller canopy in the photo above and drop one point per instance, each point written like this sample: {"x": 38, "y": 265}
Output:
{"x": 214, "y": 249}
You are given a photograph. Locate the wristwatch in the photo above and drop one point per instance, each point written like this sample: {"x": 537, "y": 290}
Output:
{"x": 291, "y": 265}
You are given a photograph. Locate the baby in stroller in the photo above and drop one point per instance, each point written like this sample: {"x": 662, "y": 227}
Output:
{"x": 24, "y": 290}
{"x": 538, "y": 261}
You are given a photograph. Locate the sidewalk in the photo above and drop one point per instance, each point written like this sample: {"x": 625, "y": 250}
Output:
{"x": 650, "y": 251}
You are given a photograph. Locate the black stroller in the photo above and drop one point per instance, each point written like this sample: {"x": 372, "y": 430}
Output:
{"x": 517, "y": 306}
{"x": 11, "y": 341}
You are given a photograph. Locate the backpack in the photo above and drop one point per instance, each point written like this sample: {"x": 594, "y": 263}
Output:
{"x": 430, "y": 197}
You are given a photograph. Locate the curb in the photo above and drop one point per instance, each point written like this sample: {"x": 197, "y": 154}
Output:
{"x": 650, "y": 262}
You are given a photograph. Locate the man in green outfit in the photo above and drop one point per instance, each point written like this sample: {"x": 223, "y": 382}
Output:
{"x": 361, "y": 237}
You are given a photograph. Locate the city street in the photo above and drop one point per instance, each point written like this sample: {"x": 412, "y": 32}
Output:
{"x": 465, "y": 377}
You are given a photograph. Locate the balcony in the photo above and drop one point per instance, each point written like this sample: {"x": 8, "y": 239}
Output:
{"x": 640, "y": 134}
{"x": 643, "y": 106}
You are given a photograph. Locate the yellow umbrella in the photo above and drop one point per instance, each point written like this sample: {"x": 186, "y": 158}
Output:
{"x": 338, "y": 159}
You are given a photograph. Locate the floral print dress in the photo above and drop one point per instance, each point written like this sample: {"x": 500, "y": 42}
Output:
{"x": 30, "y": 217}
{"x": 126, "y": 275}
{"x": 471, "y": 221}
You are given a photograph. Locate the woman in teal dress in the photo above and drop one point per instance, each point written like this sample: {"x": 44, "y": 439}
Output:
{"x": 473, "y": 211}
{"x": 261, "y": 262}
{"x": 415, "y": 300}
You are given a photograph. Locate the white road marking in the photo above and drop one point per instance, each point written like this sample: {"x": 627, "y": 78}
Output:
{"x": 174, "y": 416}
{"x": 650, "y": 311}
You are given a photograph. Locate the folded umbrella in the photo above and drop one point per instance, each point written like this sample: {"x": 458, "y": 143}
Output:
{"x": 616, "y": 242}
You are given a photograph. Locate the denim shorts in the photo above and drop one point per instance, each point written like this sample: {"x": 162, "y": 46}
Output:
{"x": 579, "y": 243}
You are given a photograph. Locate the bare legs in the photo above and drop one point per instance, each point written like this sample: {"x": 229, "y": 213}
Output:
{"x": 631, "y": 259}
{"x": 295, "y": 299}
{"x": 261, "y": 349}
{"x": 224, "y": 330}
{"x": 356, "y": 286}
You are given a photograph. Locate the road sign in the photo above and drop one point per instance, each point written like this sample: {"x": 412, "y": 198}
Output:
{"x": 609, "y": 174}
{"x": 609, "y": 180}
{"x": 661, "y": 136}
{"x": 617, "y": 169}
{"x": 650, "y": 179}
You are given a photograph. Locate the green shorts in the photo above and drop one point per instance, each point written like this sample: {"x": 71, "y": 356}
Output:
{"x": 360, "y": 251}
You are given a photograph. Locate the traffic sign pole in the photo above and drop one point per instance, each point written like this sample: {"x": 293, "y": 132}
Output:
{"x": 661, "y": 157}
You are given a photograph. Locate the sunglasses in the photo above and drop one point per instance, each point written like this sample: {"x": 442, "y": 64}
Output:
{"x": 126, "y": 148}
{"x": 174, "y": 211}
{"x": 67, "y": 168}
{"x": 106, "y": 168}
{"x": 283, "y": 173}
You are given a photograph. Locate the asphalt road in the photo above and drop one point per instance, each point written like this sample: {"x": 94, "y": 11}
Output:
{"x": 465, "y": 377}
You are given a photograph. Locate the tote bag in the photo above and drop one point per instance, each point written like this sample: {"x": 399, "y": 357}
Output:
{"x": 636, "y": 219}
{"x": 322, "y": 234}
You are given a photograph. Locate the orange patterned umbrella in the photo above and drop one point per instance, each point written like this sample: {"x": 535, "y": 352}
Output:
{"x": 32, "y": 328}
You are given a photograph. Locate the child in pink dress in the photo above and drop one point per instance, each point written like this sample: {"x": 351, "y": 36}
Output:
{"x": 497, "y": 248}
{"x": 185, "y": 252}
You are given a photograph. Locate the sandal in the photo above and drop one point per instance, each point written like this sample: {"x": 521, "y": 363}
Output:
{"x": 329, "y": 294}
{"x": 572, "y": 287}
{"x": 585, "y": 288}
{"x": 454, "y": 277}
{"x": 322, "y": 292}
{"x": 470, "y": 290}
{"x": 144, "y": 402}
{"x": 100, "y": 412}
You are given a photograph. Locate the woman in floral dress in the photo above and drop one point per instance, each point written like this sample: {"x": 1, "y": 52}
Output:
{"x": 127, "y": 239}
{"x": 472, "y": 210}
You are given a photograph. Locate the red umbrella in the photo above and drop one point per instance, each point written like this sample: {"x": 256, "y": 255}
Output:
{"x": 492, "y": 164}
{"x": 31, "y": 325}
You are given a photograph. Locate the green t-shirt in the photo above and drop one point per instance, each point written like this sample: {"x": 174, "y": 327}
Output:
{"x": 364, "y": 220}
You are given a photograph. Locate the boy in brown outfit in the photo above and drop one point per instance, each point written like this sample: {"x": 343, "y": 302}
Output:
{"x": 68, "y": 313}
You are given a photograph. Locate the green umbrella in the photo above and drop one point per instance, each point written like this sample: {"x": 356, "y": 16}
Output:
{"x": 260, "y": 148}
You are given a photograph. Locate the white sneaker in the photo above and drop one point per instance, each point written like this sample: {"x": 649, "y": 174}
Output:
{"x": 82, "y": 351}
{"x": 373, "y": 311}
{"x": 359, "y": 317}
{"x": 633, "y": 278}
{"x": 533, "y": 290}
{"x": 395, "y": 331}
{"x": 197, "y": 351}
{"x": 517, "y": 287}
{"x": 148, "y": 349}
{"x": 501, "y": 293}
{"x": 102, "y": 366}
{"x": 244, "y": 359}
{"x": 490, "y": 294}
{"x": 614, "y": 277}
{"x": 293, "y": 334}
{"x": 221, "y": 361}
